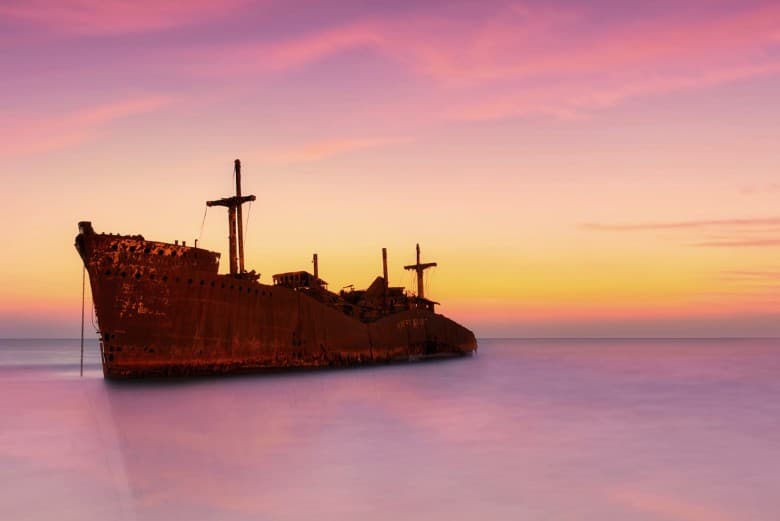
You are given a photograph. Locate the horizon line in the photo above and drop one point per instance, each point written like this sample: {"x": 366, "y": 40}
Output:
{"x": 518, "y": 338}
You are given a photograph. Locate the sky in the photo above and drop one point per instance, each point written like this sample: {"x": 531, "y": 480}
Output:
{"x": 598, "y": 169}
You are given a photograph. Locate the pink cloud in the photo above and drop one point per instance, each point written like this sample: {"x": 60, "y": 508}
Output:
{"x": 762, "y": 188}
{"x": 707, "y": 223}
{"x": 753, "y": 274}
{"x": 26, "y": 136}
{"x": 316, "y": 46}
{"x": 95, "y": 17}
{"x": 749, "y": 232}
{"x": 668, "y": 507}
{"x": 287, "y": 53}
{"x": 739, "y": 243}
{"x": 575, "y": 99}
{"x": 317, "y": 150}
{"x": 523, "y": 60}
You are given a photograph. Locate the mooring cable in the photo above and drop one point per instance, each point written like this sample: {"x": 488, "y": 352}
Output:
{"x": 83, "y": 286}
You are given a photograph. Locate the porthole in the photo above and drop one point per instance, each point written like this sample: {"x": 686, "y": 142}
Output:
{"x": 147, "y": 249}
{"x": 124, "y": 274}
{"x": 165, "y": 278}
{"x": 137, "y": 276}
{"x": 132, "y": 249}
{"x": 160, "y": 252}
{"x": 108, "y": 272}
{"x": 189, "y": 281}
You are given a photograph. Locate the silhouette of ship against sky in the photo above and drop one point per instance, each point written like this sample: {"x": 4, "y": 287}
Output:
{"x": 163, "y": 309}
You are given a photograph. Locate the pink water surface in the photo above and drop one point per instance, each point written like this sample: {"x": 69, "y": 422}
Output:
{"x": 527, "y": 429}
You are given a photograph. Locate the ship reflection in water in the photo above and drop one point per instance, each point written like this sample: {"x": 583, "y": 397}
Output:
{"x": 538, "y": 430}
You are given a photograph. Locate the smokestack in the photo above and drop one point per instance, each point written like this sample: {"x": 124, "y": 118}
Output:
{"x": 384, "y": 266}
{"x": 384, "y": 274}
{"x": 316, "y": 268}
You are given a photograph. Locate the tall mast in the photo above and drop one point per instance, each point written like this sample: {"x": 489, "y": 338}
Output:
{"x": 420, "y": 268}
{"x": 235, "y": 222}
{"x": 240, "y": 221}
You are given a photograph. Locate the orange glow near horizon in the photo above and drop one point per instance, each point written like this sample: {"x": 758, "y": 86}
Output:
{"x": 568, "y": 166}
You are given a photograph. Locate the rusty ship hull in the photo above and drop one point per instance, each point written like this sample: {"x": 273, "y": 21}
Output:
{"x": 163, "y": 309}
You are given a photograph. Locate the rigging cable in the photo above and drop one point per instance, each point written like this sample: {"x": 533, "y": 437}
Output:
{"x": 248, "y": 213}
{"x": 203, "y": 223}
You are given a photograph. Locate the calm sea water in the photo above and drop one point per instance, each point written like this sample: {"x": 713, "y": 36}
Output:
{"x": 526, "y": 430}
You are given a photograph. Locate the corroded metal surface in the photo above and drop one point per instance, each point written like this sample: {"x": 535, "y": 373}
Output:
{"x": 163, "y": 309}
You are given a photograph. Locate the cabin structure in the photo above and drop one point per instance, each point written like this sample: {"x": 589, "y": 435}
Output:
{"x": 298, "y": 279}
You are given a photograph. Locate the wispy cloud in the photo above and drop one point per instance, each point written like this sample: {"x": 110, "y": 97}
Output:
{"x": 576, "y": 98}
{"x": 99, "y": 17}
{"x": 318, "y": 150}
{"x": 591, "y": 72}
{"x": 739, "y": 243}
{"x": 518, "y": 60}
{"x": 760, "y": 188}
{"x": 712, "y": 233}
{"x": 24, "y": 136}
{"x": 505, "y": 59}
{"x": 292, "y": 52}
{"x": 695, "y": 224}
{"x": 671, "y": 508}
{"x": 752, "y": 275}
{"x": 755, "y": 286}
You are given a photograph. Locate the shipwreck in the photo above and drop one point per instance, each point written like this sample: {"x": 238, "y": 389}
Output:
{"x": 164, "y": 309}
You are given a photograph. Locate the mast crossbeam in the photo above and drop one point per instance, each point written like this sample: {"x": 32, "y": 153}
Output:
{"x": 235, "y": 222}
{"x": 420, "y": 268}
